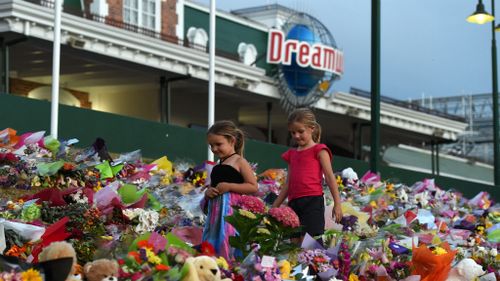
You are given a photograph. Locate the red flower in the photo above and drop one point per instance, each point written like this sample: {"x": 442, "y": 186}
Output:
{"x": 68, "y": 166}
{"x": 8, "y": 157}
{"x": 145, "y": 244}
{"x": 207, "y": 249}
{"x": 238, "y": 277}
{"x": 136, "y": 256}
{"x": 162, "y": 267}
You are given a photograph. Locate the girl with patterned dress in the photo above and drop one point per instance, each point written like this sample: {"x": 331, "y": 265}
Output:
{"x": 231, "y": 177}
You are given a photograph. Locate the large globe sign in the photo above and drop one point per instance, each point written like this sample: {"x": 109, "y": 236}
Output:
{"x": 308, "y": 60}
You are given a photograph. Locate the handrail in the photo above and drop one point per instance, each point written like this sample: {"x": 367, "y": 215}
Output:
{"x": 400, "y": 103}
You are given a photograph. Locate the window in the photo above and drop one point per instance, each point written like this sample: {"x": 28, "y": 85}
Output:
{"x": 142, "y": 13}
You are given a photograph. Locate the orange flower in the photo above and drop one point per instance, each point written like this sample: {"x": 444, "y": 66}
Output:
{"x": 16, "y": 251}
{"x": 144, "y": 244}
{"x": 68, "y": 166}
{"x": 162, "y": 267}
{"x": 136, "y": 256}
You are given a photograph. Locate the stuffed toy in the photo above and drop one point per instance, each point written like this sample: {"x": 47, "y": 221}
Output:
{"x": 55, "y": 256}
{"x": 203, "y": 268}
{"x": 465, "y": 270}
{"x": 101, "y": 270}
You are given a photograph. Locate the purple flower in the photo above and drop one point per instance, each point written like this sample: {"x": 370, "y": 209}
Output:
{"x": 348, "y": 222}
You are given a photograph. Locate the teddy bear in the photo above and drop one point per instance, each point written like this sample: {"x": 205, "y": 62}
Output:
{"x": 52, "y": 260}
{"x": 465, "y": 270}
{"x": 101, "y": 270}
{"x": 203, "y": 268}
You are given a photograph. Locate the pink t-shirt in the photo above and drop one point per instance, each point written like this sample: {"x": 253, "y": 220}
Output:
{"x": 305, "y": 174}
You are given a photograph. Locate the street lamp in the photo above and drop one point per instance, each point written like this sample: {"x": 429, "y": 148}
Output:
{"x": 480, "y": 16}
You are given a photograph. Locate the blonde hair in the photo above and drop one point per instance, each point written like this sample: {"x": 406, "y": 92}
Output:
{"x": 229, "y": 130}
{"x": 306, "y": 116}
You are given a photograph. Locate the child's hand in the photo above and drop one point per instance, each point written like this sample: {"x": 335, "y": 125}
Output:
{"x": 337, "y": 213}
{"x": 223, "y": 187}
{"x": 211, "y": 192}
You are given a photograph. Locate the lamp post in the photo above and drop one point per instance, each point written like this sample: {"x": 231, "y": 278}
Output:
{"x": 480, "y": 16}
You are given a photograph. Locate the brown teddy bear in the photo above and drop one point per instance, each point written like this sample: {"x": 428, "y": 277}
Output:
{"x": 55, "y": 261}
{"x": 101, "y": 270}
{"x": 203, "y": 268}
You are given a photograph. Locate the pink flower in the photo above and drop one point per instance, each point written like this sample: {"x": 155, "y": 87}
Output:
{"x": 286, "y": 216}
{"x": 136, "y": 276}
{"x": 251, "y": 203}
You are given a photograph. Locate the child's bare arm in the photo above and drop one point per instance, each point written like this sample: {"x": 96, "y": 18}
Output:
{"x": 283, "y": 193}
{"x": 324, "y": 159}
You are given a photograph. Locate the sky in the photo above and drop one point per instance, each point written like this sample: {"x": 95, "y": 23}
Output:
{"x": 428, "y": 49}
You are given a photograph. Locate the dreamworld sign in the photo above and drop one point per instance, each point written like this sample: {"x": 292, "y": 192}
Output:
{"x": 317, "y": 56}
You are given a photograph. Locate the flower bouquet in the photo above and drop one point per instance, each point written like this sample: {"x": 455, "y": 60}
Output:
{"x": 154, "y": 257}
{"x": 433, "y": 263}
{"x": 271, "y": 229}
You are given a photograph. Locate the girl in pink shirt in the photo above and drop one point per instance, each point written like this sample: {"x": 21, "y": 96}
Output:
{"x": 306, "y": 166}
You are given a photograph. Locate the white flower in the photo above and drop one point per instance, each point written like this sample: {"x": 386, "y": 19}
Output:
{"x": 132, "y": 213}
{"x": 79, "y": 197}
{"x": 148, "y": 220}
{"x": 493, "y": 252}
{"x": 482, "y": 250}
{"x": 422, "y": 198}
{"x": 402, "y": 195}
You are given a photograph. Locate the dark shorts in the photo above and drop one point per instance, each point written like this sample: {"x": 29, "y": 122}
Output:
{"x": 311, "y": 212}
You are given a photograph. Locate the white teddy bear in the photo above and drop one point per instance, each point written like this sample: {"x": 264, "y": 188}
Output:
{"x": 350, "y": 175}
{"x": 465, "y": 270}
{"x": 203, "y": 268}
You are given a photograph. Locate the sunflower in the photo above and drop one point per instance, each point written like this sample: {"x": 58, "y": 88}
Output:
{"x": 31, "y": 275}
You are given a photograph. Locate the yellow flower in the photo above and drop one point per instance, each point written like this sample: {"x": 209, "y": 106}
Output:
{"x": 373, "y": 204}
{"x": 488, "y": 224}
{"x": 364, "y": 256}
{"x": 480, "y": 229}
{"x": 439, "y": 251}
{"x": 339, "y": 180}
{"x": 165, "y": 180}
{"x": 97, "y": 187}
{"x": 371, "y": 189}
{"x": 222, "y": 263}
{"x": 31, "y": 275}
{"x": 266, "y": 221}
{"x": 263, "y": 231}
{"x": 152, "y": 258}
{"x": 285, "y": 269}
{"x": 247, "y": 214}
{"x": 353, "y": 277}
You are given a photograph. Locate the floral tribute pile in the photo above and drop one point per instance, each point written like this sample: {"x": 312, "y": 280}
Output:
{"x": 147, "y": 217}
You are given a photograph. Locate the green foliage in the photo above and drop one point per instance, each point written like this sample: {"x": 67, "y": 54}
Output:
{"x": 272, "y": 236}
